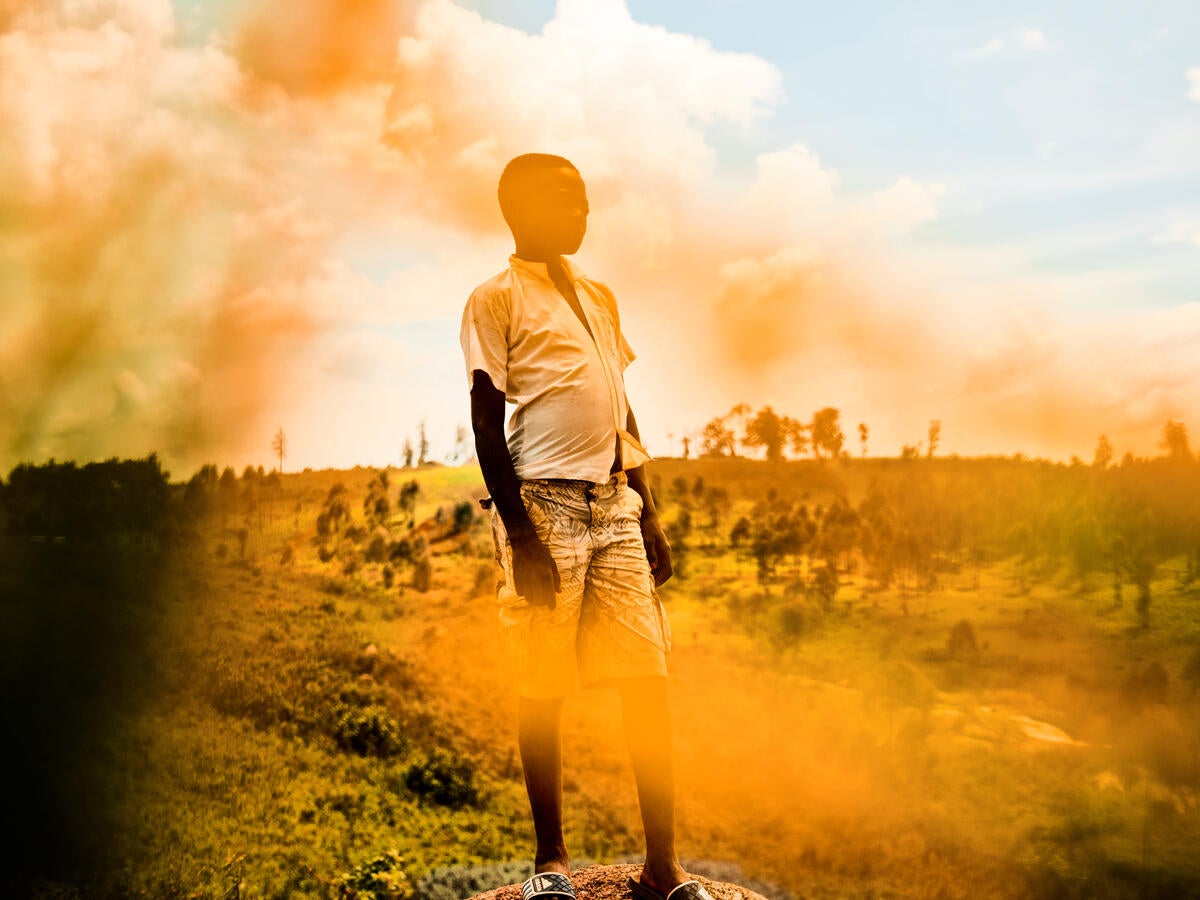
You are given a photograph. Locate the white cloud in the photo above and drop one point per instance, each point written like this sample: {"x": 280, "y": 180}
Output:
{"x": 1032, "y": 39}
{"x": 616, "y": 105}
{"x": 308, "y": 251}
{"x": 902, "y": 206}
{"x": 995, "y": 45}
{"x": 1026, "y": 39}
{"x": 1179, "y": 233}
{"x": 791, "y": 187}
{"x": 1193, "y": 76}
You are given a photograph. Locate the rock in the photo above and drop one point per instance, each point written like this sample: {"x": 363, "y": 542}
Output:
{"x": 610, "y": 883}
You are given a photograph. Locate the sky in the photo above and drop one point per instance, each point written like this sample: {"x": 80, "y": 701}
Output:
{"x": 219, "y": 219}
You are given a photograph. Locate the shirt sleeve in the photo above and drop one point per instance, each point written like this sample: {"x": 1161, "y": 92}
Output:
{"x": 484, "y": 337}
{"x": 624, "y": 351}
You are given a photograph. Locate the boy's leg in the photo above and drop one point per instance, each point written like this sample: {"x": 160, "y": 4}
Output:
{"x": 540, "y": 649}
{"x": 648, "y": 735}
{"x": 540, "y": 739}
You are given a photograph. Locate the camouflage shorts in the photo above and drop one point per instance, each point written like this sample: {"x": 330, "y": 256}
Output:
{"x": 608, "y": 621}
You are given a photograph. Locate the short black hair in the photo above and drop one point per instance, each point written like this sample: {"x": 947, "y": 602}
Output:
{"x": 520, "y": 171}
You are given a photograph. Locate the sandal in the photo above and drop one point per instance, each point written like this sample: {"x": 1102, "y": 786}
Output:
{"x": 688, "y": 890}
{"x": 547, "y": 885}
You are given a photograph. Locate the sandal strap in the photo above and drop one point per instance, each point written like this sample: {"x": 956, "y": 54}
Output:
{"x": 546, "y": 884}
{"x": 689, "y": 890}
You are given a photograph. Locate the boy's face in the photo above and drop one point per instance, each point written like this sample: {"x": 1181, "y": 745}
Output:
{"x": 554, "y": 214}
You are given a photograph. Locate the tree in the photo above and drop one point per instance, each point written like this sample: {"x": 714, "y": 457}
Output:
{"x": 377, "y": 509}
{"x": 766, "y": 430}
{"x": 826, "y": 433}
{"x": 1175, "y": 441}
{"x": 716, "y": 439}
{"x": 228, "y": 492}
{"x": 279, "y": 445}
{"x": 406, "y": 502}
{"x": 687, "y": 447}
{"x": 408, "y": 454}
{"x": 460, "y": 445}
{"x": 935, "y": 432}
{"x": 795, "y": 435}
{"x": 423, "y": 444}
{"x": 862, "y": 437}
{"x": 1104, "y": 453}
{"x": 332, "y": 522}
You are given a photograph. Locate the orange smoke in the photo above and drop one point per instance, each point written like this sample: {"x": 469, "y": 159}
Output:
{"x": 317, "y": 47}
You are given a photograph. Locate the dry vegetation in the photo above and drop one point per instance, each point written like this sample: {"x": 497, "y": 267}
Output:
{"x": 890, "y": 678}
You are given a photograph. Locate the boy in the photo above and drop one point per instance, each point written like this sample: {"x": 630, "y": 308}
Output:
{"x": 574, "y": 523}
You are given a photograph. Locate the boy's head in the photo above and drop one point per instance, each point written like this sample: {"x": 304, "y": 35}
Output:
{"x": 544, "y": 202}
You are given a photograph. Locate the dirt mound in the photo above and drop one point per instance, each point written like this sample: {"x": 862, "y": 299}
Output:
{"x": 610, "y": 883}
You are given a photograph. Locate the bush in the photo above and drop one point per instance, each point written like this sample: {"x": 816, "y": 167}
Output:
{"x": 961, "y": 643}
{"x": 422, "y": 577}
{"x": 792, "y": 619}
{"x": 377, "y": 549}
{"x": 366, "y": 730}
{"x": 464, "y": 516}
{"x": 382, "y": 877}
{"x": 444, "y": 779}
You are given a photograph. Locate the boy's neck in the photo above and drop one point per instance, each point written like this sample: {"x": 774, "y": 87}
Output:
{"x": 537, "y": 254}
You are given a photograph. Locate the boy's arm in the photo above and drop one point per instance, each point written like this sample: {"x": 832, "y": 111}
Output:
{"x": 534, "y": 571}
{"x": 658, "y": 549}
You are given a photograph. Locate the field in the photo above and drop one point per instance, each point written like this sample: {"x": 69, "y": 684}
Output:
{"x": 948, "y": 718}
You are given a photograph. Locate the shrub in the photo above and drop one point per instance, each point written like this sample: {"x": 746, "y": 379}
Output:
{"x": 422, "y": 577}
{"x": 444, "y": 779}
{"x": 366, "y": 730}
{"x": 377, "y": 549}
{"x": 464, "y": 516}
{"x": 961, "y": 643}
{"x": 381, "y": 877}
{"x": 400, "y": 551}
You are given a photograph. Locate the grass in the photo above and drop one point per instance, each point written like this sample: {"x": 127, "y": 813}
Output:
{"x": 851, "y": 756}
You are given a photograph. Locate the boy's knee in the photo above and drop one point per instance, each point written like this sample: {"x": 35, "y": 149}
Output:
{"x": 540, "y": 708}
{"x": 642, "y": 688}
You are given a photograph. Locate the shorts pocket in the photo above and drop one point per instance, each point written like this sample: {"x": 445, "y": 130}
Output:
{"x": 535, "y": 508}
{"x": 664, "y": 620}
{"x": 631, "y": 501}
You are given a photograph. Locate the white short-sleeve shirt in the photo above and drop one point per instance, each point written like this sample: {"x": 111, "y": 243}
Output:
{"x": 568, "y": 387}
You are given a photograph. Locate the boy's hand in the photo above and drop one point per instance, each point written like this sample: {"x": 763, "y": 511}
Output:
{"x": 534, "y": 571}
{"x": 658, "y": 549}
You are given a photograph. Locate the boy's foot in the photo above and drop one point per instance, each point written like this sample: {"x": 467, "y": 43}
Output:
{"x": 560, "y": 863}
{"x": 662, "y": 880}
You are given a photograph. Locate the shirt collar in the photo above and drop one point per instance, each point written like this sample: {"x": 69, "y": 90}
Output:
{"x": 539, "y": 269}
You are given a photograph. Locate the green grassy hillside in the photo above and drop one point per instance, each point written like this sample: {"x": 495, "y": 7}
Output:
{"x": 921, "y": 684}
